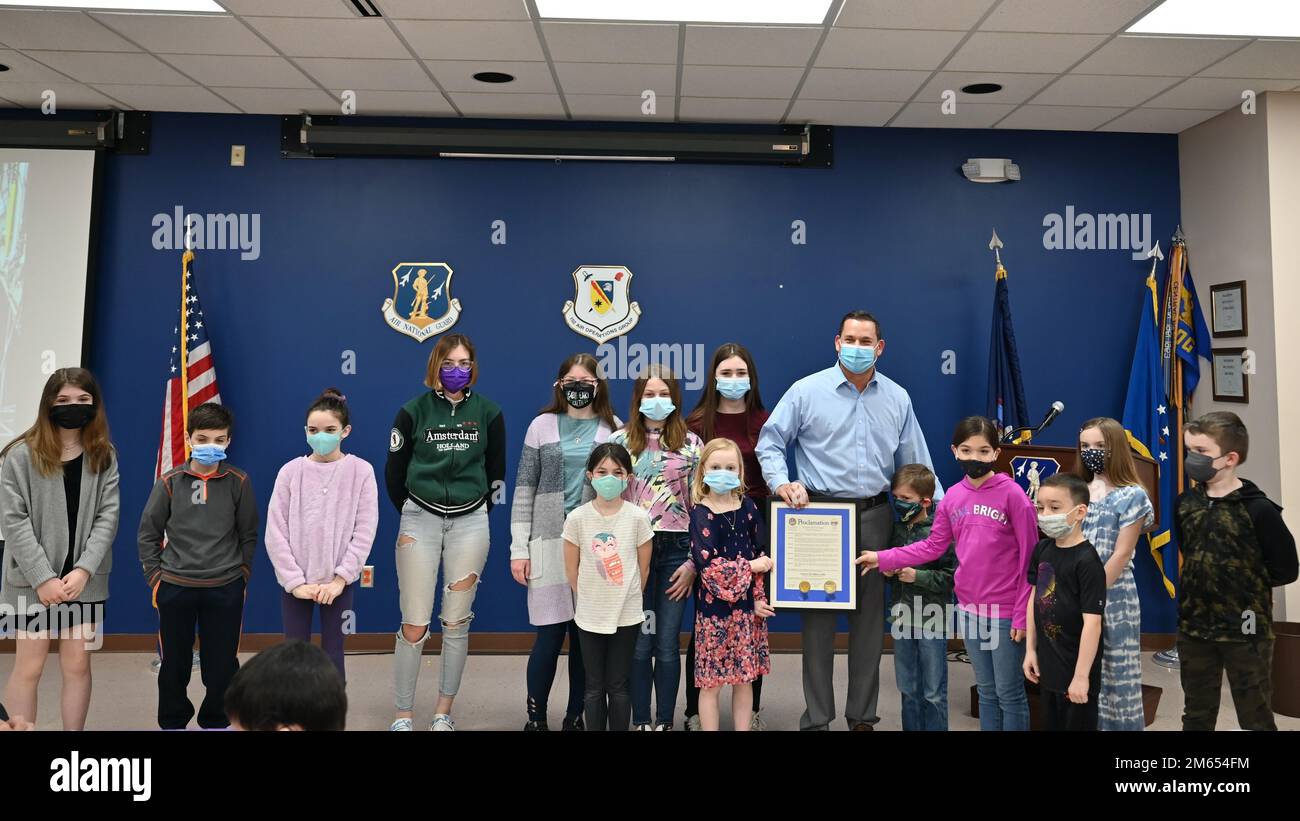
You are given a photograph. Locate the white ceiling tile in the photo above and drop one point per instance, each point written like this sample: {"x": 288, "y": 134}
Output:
{"x": 1016, "y": 88}
{"x": 993, "y": 51}
{"x": 750, "y": 45}
{"x": 66, "y": 95}
{"x": 454, "y": 9}
{"x": 737, "y": 81}
{"x": 168, "y": 98}
{"x": 57, "y": 31}
{"x": 861, "y": 84}
{"x": 1170, "y": 56}
{"x": 281, "y": 100}
{"x": 1103, "y": 90}
{"x": 471, "y": 40}
{"x": 186, "y": 33}
{"x": 617, "y": 79}
{"x": 111, "y": 67}
{"x": 876, "y": 48}
{"x": 390, "y": 75}
{"x": 1214, "y": 92}
{"x": 719, "y": 110}
{"x": 610, "y": 43}
{"x": 288, "y": 8}
{"x": 958, "y": 15}
{"x": 615, "y": 107}
{"x": 1160, "y": 120}
{"x": 24, "y": 69}
{"x": 841, "y": 112}
{"x": 241, "y": 72}
{"x": 968, "y": 115}
{"x": 458, "y": 75}
{"x": 509, "y": 105}
{"x": 1065, "y": 16}
{"x": 389, "y": 103}
{"x": 1263, "y": 58}
{"x": 1059, "y": 117}
{"x": 354, "y": 37}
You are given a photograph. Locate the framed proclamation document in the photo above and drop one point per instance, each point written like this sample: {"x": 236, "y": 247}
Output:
{"x": 812, "y": 550}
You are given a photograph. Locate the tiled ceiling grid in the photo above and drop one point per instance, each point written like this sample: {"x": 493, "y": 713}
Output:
{"x": 1062, "y": 63}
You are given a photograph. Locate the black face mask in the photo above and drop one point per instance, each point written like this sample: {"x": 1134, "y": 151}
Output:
{"x": 72, "y": 417}
{"x": 974, "y": 468}
{"x": 1201, "y": 467}
{"x": 1094, "y": 460}
{"x": 579, "y": 395}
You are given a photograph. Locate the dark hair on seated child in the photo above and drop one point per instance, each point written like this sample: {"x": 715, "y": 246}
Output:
{"x": 210, "y": 416}
{"x": 917, "y": 477}
{"x": 1071, "y": 484}
{"x": 609, "y": 450}
{"x": 291, "y": 685}
{"x": 1226, "y": 429}
{"x": 977, "y": 426}
{"x": 332, "y": 401}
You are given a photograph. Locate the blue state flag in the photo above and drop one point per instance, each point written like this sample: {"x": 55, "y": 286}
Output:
{"x": 1191, "y": 337}
{"x": 1146, "y": 421}
{"x": 1006, "y": 397}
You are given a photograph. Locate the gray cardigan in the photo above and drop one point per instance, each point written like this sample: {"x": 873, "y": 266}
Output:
{"x": 34, "y": 526}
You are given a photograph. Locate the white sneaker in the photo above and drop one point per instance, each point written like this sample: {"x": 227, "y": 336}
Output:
{"x": 757, "y": 724}
{"x": 194, "y": 661}
{"x": 155, "y": 665}
{"x": 693, "y": 724}
{"x": 402, "y": 725}
{"x": 442, "y": 723}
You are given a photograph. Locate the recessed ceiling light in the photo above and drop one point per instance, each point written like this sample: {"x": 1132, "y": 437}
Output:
{"x": 981, "y": 88}
{"x": 494, "y": 77}
{"x": 1242, "y": 18}
{"x": 770, "y": 12}
{"x": 207, "y": 6}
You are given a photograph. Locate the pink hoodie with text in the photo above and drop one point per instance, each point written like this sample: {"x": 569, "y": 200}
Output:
{"x": 995, "y": 527}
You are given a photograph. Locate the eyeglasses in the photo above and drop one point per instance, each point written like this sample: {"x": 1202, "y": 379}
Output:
{"x": 462, "y": 363}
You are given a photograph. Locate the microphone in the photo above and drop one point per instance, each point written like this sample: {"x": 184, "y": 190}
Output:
{"x": 1056, "y": 409}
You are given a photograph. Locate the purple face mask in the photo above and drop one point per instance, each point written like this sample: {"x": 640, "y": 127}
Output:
{"x": 454, "y": 380}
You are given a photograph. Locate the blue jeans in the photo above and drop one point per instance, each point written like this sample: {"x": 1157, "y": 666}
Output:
{"x": 921, "y": 670}
{"x": 999, "y": 670}
{"x": 660, "y": 638}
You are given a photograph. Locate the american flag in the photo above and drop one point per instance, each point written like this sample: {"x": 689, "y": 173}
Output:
{"x": 191, "y": 377}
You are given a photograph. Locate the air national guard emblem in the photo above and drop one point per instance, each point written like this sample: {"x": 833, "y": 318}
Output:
{"x": 1030, "y": 471}
{"x": 421, "y": 306}
{"x": 601, "y": 308}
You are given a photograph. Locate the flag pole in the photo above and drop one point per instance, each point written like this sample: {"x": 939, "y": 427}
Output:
{"x": 186, "y": 259}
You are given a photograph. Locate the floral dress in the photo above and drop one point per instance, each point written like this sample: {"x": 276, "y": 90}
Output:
{"x": 730, "y": 641}
{"x": 1119, "y": 703}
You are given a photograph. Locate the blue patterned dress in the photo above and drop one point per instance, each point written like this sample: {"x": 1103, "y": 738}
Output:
{"x": 1119, "y": 704}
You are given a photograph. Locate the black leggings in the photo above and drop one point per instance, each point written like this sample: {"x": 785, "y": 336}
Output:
{"x": 541, "y": 670}
{"x": 607, "y": 659}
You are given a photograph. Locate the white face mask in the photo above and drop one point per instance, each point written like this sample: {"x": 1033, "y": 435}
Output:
{"x": 1055, "y": 526}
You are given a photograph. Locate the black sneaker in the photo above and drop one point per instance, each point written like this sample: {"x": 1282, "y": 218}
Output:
{"x": 575, "y": 724}
{"x": 536, "y": 726}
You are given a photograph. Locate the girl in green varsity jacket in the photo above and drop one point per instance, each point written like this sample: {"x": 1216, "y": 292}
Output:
{"x": 446, "y": 468}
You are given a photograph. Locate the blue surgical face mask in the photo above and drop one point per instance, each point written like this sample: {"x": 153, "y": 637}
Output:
{"x": 208, "y": 454}
{"x": 609, "y": 486}
{"x": 721, "y": 481}
{"x": 657, "y": 409}
{"x": 856, "y": 359}
{"x": 323, "y": 443}
{"x": 733, "y": 388}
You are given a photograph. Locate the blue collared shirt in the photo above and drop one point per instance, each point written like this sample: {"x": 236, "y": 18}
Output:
{"x": 846, "y": 444}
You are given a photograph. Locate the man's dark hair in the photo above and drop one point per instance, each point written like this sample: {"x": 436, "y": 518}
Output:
{"x": 293, "y": 684}
{"x": 862, "y": 316}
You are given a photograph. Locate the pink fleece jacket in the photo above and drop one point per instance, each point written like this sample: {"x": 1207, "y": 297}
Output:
{"x": 995, "y": 527}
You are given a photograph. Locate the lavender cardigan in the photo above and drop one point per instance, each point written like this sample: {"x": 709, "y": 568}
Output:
{"x": 537, "y": 519}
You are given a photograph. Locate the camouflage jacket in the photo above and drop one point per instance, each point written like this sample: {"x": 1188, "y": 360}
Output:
{"x": 1235, "y": 550}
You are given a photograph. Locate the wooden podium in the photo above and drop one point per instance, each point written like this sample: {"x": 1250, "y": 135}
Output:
{"x": 1066, "y": 459}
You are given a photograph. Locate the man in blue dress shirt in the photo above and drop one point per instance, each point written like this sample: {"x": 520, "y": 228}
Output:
{"x": 851, "y": 428}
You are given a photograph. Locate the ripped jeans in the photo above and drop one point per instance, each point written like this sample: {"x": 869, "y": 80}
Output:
{"x": 460, "y": 544}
